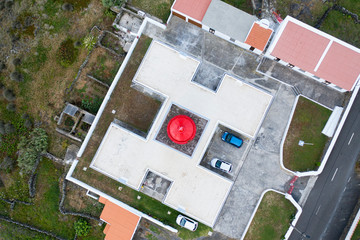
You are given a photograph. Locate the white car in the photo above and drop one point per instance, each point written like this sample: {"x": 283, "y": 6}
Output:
{"x": 186, "y": 222}
{"x": 221, "y": 165}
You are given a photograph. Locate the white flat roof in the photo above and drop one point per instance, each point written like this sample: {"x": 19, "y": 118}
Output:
{"x": 127, "y": 157}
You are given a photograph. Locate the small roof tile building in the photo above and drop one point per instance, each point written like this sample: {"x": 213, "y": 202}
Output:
{"x": 316, "y": 54}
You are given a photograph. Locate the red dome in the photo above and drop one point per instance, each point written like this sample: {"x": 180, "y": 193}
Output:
{"x": 181, "y": 129}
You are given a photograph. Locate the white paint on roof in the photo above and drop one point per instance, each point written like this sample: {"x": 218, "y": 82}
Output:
{"x": 199, "y": 192}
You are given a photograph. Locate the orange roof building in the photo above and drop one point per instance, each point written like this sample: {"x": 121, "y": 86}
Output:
{"x": 121, "y": 223}
{"x": 193, "y": 9}
{"x": 318, "y": 54}
{"x": 258, "y": 36}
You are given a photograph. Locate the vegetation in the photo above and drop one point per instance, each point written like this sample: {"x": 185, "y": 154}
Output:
{"x": 272, "y": 219}
{"x": 44, "y": 213}
{"x": 89, "y": 42}
{"x": 307, "y": 123}
{"x": 91, "y": 105}
{"x": 157, "y": 8}
{"x": 82, "y": 227}
{"x": 30, "y": 149}
{"x": 67, "y": 53}
{"x": 244, "y": 5}
{"x": 356, "y": 235}
{"x": 110, "y": 3}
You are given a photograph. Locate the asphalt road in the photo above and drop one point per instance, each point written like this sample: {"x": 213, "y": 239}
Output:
{"x": 336, "y": 190}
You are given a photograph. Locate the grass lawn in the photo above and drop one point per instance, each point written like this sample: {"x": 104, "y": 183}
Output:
{"x": 44, "y": 214}
{"x": 356, "y": 235}
{"x": 157, "y": 8}
{"x": 343, "y": 27}
{"x": 307, "y": 123}
{"x": 244, "y": 5}
{"x": 272, "y": 218}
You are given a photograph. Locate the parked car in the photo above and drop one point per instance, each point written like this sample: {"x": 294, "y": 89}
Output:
{"x": 221, "y": 165}
{"x": 233, "y": 140}
{"x": 186, "y": 222}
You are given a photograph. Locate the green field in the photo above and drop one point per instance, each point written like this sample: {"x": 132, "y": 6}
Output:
{"x": 272, "y": 218}
{"x": 307, "y": 123}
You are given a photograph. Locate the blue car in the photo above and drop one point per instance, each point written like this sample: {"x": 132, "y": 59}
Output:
{"x": 233, "y": 140}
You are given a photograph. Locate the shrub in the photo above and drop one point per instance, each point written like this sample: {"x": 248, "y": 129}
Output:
{"x": 91, "y": 105}
{"x": 67, "y": 7}
{"x": 16, "y": 76}
{"x": 9, "y": 128}
{"x": 28, "y": 123}
{"x": 110, "y": 3}
{"x": 2, "y": 127}
{"x": 11, "y": 107}
{"x": 82, "y": 227}
{"x": 89, "y": 42}
{"x": 9, "y": 3}
{"x": 30, "y": 148}
{"x": 67, "y": 53}
{"x": 9, "y": 95}
{"x": 2, "y": 66}
{"x": 16, "y": 61}
{"x": 7, "y": 164}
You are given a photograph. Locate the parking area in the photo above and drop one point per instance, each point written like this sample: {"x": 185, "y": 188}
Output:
{"x": 225, "y": 151}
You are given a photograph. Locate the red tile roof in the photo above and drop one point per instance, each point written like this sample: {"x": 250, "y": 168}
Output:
{"x": 258, "y": 36}
{"x": 192, "y": 8}
{"x": 318, "y": 53}
{"x": 121, "y": 224}
{"x": 341, "y": 66}
{"x": 300, "y": 47}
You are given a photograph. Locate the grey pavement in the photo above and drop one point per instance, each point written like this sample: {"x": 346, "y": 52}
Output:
{"x": 261, "y": 169}
{"x": 307, "y": 86}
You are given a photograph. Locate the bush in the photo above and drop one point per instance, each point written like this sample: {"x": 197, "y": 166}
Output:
{"x": 7, "y": 164}
{"x": 9, "y": 128}
{"x": 28, "y": 123}
{"x": 2, "y": 127}
{"x": 91, "y": 105}
{"x": 67, "y": 53}
{"x": 9, "y": 3}
{"x": 16, "y": 76}
{"x": 9, "y": 95}
{"x": 67, "y": 7}
{"x": 11, "y": 107}
{"x": 16, "y": 61}
{"x": 2, "y": 66}
{"x": 82, "y": 227}
{"x": 69, "y": 122}
{"x": 110, "y": 3}
{"x": 30, "y": 148}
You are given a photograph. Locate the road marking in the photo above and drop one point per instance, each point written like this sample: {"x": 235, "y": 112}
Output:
{"x": 350, "y": 138}
{"x": 318, "y": 210}
{"x": 345, "y": 189}
{"x": 349, "y": 179}
{"x": 334, "y": 174}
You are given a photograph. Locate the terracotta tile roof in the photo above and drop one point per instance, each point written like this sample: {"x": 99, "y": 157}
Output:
{"x": 258, "y": 36}
{"x": 300, "y": 47}
{"x": 121, "y": 224}
{"x": 318, "y": 53}
{"x": 192, "y": 8}
{"x": 341, "y": 66}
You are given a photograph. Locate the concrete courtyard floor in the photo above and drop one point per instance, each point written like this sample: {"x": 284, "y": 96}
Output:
{"x": 261, "y": 168}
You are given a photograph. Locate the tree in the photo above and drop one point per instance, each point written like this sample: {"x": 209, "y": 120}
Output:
{"x": 82, "y": 227}
{"x": 30, "y": 148}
